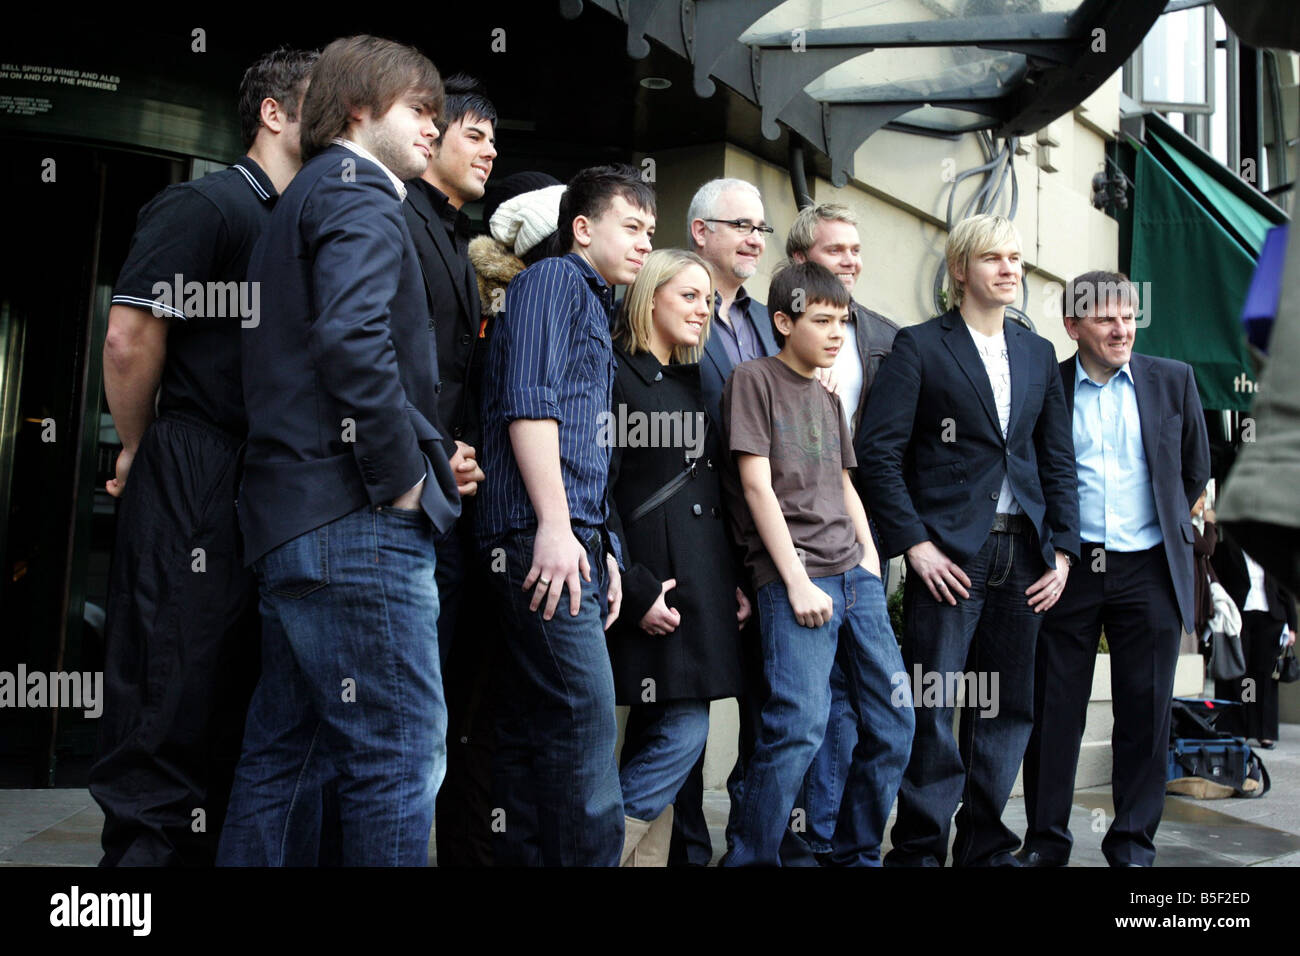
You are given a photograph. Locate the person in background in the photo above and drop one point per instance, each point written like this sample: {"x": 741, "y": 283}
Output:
{"x": 675, "y": 645}
{"x": 182, "y": 656}
{"x": 1268, "y": 625}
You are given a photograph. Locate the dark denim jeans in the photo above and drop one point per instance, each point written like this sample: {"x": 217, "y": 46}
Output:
{"x": 672, "y": 738}
{"x": 797, "y": 662}
{"x": 350, "y": 690}
{"x": 990, "y": 634}
{"x": 556, "y": 777}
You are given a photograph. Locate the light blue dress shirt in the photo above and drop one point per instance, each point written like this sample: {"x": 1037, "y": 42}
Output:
{"x": 1117, "y": 505}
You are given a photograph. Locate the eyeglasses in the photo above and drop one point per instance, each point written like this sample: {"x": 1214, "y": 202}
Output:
{"x": 745, "y": 227}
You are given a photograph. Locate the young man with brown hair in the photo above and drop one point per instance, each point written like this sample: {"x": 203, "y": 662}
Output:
{"x": 346, "y": 479}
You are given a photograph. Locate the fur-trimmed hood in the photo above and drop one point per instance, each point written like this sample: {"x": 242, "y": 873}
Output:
{"x": 494, "y": 265}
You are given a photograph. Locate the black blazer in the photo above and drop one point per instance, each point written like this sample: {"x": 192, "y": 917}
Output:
{"x": 716, "y": 364}
{"x": 454, "y": 304}
{"x": 341, "y": 373}
{"x": 1177, "y": 448}
{"x": 931, "y": 456}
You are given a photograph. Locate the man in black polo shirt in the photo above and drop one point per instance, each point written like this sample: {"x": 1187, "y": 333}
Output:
{"x": 457, "y": 174}
{"x": 181, "y": 655}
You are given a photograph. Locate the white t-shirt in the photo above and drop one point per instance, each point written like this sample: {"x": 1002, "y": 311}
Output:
{"x": 848, "y": 370}
{"x": 992, "y": 350}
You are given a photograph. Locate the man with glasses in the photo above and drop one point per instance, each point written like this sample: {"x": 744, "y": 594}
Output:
{"x": 726, "y": 227}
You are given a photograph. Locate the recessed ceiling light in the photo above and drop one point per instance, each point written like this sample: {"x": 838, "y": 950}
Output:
{"x": 656, "y": 82}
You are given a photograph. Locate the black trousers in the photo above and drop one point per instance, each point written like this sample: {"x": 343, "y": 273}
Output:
{"x": 181, "y": 652}
{"x": 1257, "y": 715}
{"x": 1131, "y": 596}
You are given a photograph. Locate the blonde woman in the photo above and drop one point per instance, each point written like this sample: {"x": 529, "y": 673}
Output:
{"x": 675, "y": 644}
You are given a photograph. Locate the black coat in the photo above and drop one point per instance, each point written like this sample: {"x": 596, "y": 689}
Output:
{"x": 684, "y": 538}
{"x": 454, "y": 306}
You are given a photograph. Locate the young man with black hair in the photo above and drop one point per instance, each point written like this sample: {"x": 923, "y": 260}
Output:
{"x": 542, "y": 528}
{"x": 456, "y": 174}
{"x": 181, "y": 652}
{"x": 817, "y": 574}
{"x": 346, "y": 480}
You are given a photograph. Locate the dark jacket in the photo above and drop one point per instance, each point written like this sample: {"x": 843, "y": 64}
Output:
{"x": 1177, "y": 449}
{"x": 931, "y": 456}
{"x": 684, "y": 538}
{"x": 875, "y": 335}
{"x": 1230, "y": 564}
{"x": 340, "y": 374}
{"x": 454, "y": 305}
{"x": 1203, "y": 550}
{"x": 716, "y": 365}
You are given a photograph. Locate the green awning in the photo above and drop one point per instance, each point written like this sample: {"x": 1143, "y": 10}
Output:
{"x": 1194, "y": 276}
{"x": 1248, "y": 225}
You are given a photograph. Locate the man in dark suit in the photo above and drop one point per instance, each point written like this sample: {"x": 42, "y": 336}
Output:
{"x": 457, "y": 174}
{"x": 966, "y": 461}
{"x": 346, "y": 478}
{"x": 1143, "y": 460}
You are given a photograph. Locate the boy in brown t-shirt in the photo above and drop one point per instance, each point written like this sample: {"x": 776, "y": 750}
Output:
{"x": 817, "y": 575}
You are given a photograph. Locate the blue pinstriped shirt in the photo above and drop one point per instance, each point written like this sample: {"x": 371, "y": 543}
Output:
{"x": 550, "y": 357}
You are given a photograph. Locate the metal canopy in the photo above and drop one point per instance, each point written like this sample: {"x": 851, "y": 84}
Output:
{"x": 835, "y": 71}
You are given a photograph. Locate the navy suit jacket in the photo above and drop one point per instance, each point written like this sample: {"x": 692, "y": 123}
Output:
{"x": 341, "y": 372}
{"x": 931, "y": 456}
{"x": 716, "y": 364}
{"x": 1177, "y": 447}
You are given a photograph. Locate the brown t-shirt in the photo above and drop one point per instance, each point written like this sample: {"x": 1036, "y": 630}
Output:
{"x": 770, "y": 410}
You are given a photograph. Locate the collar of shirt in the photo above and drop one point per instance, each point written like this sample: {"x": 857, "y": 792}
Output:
{"x": 454, "y": 219}
{"x": 741, "y": 301}
{"x": 366, "y": 154}
{"x": 258, "y": 181}
{"x": 1081, "y": 376}
{"x": 594, "y": 279}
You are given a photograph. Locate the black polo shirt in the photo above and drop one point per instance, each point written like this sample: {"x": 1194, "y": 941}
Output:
{"x": 203, "y": 232}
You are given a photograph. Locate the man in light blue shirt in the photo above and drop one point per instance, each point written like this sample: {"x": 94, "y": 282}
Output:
{"x": 1142, "y": 459}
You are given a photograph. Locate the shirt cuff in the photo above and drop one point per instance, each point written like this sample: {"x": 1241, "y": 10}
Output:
{"x": 536, "y": 402}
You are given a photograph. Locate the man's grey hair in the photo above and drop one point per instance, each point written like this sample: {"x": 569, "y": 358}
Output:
{"x": 704, "y": 203}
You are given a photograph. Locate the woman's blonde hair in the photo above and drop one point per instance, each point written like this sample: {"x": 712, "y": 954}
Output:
{"x": 973, "y": 237}
{"x": 636, "y": 317}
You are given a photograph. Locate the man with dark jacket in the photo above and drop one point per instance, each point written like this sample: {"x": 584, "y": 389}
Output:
{"x": 346, "y": 480}
{"x": 457, "y": 174}
{"x": 1143, "y": 458}
{"x": 968, "y": 468}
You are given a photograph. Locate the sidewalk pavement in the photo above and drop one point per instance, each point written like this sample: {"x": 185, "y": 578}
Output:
{"x": 61, "y": 827}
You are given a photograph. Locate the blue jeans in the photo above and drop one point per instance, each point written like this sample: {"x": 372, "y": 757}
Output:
{"x": 991, "y": 634}
{"x": 350, "y": 690}
{"x": 673, "y": 737}
{"x": 824, "y": 785}
{"x": 797, "y": 662}
{"x": 555, "y": 773}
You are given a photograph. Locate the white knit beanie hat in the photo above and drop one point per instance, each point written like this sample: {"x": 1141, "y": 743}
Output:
{"x": 525, "y": 220}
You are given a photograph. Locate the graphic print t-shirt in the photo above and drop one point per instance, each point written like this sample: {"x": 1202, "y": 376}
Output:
{"x": 770, "y": 410}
